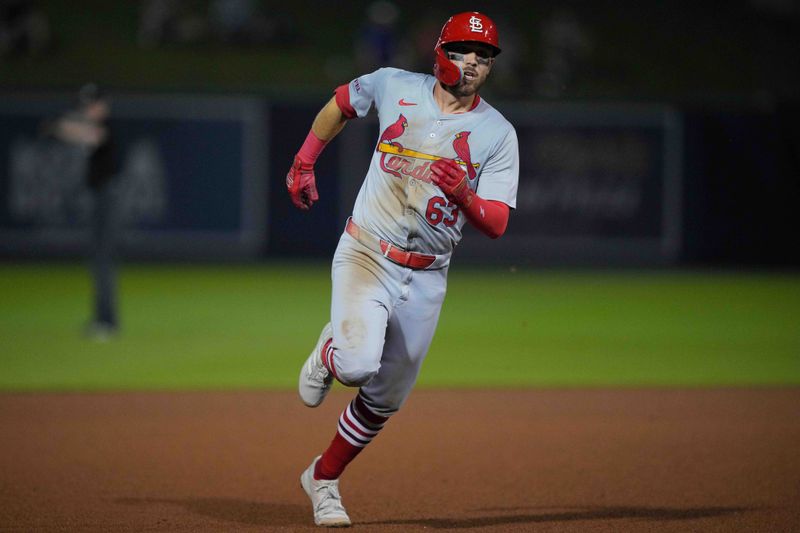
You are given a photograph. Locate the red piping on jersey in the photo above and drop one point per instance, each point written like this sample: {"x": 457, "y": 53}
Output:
{"x": 475, "y": 102}
{"x": 342, "y": 93}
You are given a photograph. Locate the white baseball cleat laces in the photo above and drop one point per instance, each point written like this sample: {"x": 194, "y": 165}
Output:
{"x": 315, "y": 380}
{"x": 325, "y": 499}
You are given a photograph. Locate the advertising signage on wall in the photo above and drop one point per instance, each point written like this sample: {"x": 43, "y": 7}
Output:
{"x": 597, "y": 184}
{"x": 191, "y": 178}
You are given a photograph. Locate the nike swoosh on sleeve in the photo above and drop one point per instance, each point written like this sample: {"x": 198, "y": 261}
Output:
{"x": 403, "y": 102}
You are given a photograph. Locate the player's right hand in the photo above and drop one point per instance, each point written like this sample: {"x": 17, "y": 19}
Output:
{"x": 301, "y": 184}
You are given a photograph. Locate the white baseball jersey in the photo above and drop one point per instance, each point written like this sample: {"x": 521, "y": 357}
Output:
{"x": 397, "y": 201}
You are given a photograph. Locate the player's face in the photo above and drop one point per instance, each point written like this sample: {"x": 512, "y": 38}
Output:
{"x": 98, "y": 110}
{"x": 475, "y": 60}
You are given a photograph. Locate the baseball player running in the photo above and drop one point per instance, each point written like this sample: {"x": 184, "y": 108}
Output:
{"x": 444, "y": 157}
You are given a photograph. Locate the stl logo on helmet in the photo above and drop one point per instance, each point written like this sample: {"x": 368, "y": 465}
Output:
{"x": 475, "y": 24}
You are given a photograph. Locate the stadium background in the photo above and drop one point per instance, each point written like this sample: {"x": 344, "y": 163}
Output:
{"x": 659, "y": 154}
{"x": 655, "y": 244}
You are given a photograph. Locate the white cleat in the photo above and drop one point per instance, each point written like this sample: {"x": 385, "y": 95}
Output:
{"x": 315, "y": 380}
{"x": 325, "y": 499}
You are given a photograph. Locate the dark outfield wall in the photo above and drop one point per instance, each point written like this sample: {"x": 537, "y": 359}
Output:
{"x": 742, "y": 186}
{"x": 600, "y": 184}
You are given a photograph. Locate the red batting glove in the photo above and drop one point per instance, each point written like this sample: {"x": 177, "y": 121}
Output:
{"x": 452, "y": 180}
{"x": 301, "y": 184}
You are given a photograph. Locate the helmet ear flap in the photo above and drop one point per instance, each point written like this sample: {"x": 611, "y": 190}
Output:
{"x": 445, "y": 70}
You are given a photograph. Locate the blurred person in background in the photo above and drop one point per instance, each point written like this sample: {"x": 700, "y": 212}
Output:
{"x": 233, "y": 20}
{"x": 564, "y": 44}
{"x": 239, "y": 22}
{"x": 86, "y": 127}
{"x": 378, "y": 40}
{"x": 169, "y": 21}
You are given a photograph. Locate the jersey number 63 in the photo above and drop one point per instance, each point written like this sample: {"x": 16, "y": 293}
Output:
{"x": 441, "y": 211}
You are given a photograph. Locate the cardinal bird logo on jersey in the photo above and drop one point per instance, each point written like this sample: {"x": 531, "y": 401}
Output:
{"x": 461, "y": 146}
{"x": 394, "y": 131}
{"x": 403, "y": 161}
{"x": 388, "y": 138}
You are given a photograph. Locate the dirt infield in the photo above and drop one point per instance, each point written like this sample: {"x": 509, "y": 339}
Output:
{"x": 597, "y": 460}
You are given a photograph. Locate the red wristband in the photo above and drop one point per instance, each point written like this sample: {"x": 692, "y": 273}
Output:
{"x": 311, "y": 148}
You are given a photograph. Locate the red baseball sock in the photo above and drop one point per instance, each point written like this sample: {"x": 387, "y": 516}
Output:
{"x": 357, "y": 427}
{"x": 335, "y": 459}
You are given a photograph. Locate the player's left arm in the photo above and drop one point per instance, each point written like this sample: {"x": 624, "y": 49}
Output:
{"x": 489, "y": 216}
{"x": 487, "y": 209}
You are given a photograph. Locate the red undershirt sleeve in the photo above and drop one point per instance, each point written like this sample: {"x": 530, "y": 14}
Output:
{"x": 342, "y": 93}
{"x": 489, "y": 216}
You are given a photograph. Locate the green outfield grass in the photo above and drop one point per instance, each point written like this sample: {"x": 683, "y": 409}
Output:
{"x": 218, "y": 327}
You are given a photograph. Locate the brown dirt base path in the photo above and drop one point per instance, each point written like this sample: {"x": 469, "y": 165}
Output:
{"x": 565, "y": 460}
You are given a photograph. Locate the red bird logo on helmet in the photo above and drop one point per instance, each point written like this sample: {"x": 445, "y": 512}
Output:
{"x": 394, "y": 131}
{"x": 461, "y": 146}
